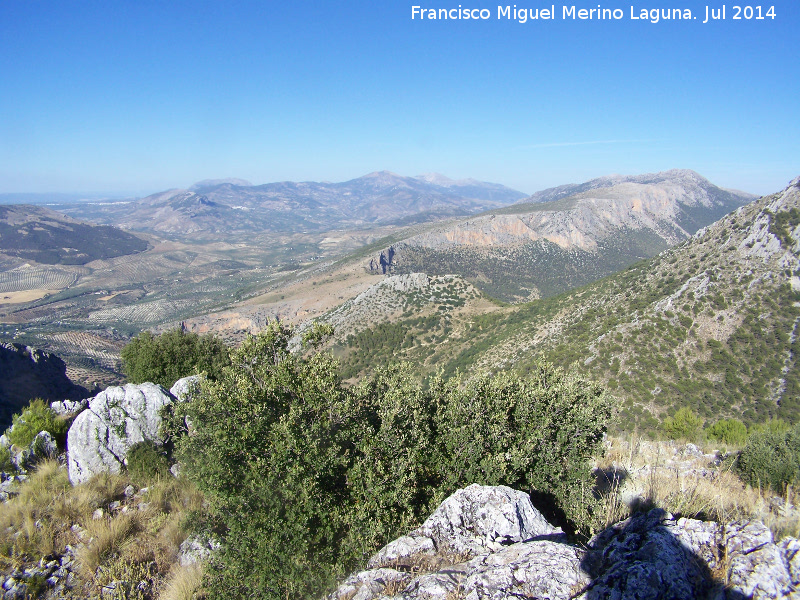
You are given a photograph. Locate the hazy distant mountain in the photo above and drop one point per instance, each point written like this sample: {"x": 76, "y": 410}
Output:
{"x": 207, "y": 183}
{"x": 42, "y": 235}
{"x": 224, "y": 207}
{"x": 472, "y": 188}
{"x": 555, "y": 241}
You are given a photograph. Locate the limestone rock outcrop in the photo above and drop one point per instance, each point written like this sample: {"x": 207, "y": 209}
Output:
{"x": 490, "y": 543}
{"x": 116, "y": 419}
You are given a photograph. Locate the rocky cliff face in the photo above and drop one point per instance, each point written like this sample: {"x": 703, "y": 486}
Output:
{"x": 672, "y": 204}
{"x": 27, "y": 373}
{"x": 491, "y": 543}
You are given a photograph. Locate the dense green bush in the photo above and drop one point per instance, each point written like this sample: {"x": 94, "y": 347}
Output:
{"x": 38, "y": 416}
{"x": 771, "y": 459}
{"x": 165, "y": 358}
{"x": 728, "y": 431}
{"x": 146, "y": 460}
{"x": 685, "y": 425}
{"x": 306, "y": 478}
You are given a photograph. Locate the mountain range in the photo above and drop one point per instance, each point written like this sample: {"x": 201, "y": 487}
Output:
{"x": 221, "y": 208}
{"x": 38, "y": 234}
{"x": 710, "y": 324}
{"x": 567, "y": 236}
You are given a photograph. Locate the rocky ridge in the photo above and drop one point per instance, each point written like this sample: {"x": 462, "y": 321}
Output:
{"x": 32, "y": 373}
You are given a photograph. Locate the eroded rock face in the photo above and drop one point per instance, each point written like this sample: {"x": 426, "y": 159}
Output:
{"x": 116, "y": 419}
{"x": 488, "y": 543}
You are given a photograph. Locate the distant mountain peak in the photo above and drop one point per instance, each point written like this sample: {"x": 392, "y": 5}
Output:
{"x": 205, "y": 183}
{"x": 436, "y": 179}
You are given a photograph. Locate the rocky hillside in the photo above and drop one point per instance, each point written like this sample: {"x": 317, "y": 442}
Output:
{"x": 44, "y": 236}
{"x": 222, "y": 208}
{"x": 710, "y": 324}
{"x": 27, "y": 373}
{"x": 566, "y": 237}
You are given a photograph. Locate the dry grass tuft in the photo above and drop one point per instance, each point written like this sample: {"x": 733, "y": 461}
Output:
{"x": 184, "y": 583}
{"x": 137, "y": 539}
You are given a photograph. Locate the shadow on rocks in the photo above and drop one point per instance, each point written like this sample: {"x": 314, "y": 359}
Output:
{"x": 649, "y": 557}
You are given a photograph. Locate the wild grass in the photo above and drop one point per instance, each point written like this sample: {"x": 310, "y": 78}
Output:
{"x": 640, "y": 474}
{"x": 184, "y": 583}
{"x": 129, "y": 547}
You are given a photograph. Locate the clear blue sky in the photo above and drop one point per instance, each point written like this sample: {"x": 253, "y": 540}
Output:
{"x": 139, "y": 96}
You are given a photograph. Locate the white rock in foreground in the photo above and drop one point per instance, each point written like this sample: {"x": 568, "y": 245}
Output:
{"x": 116, "y": 419}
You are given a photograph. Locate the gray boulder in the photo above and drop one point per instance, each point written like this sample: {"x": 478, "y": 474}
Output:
{"x": 185, "y": 389}
{"x": 475, "y": 520}
{"x": 116, "y": 419}
{"x": 43, "y": 446}
{"x": 69, "y": 407}
{"x": 488, "y": 543}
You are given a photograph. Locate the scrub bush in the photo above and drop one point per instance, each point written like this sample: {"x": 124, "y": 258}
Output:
{"x": 306, "y": 478}
{"x": 38, "y": 416}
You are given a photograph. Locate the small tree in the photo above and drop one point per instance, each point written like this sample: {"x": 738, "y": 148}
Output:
{"x": 165, "y": 358}
{"x": 728, "y": 431}
{"x": 685, "y": 425}
{"x": 38, "y": 416}
{"x": 771, "y": 459}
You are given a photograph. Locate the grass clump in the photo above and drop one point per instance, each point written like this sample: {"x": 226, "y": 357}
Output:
{"x": 131, "y": 540}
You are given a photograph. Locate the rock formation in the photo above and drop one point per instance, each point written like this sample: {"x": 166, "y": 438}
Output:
{"x": 491, "y": 543}
{"x": 116, "y": 419}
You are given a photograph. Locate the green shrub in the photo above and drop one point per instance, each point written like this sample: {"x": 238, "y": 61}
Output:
{"x": 728, "y": 431}
{"x": 771, "y": 459}
{"x": 307, "y": 478}
{"x": 38, "y": 416}
{"x": 685, "y": 425}
{"x": 165, "y": 358}
{"x": 6, "y": 466}
{"x": 778, "y": 426}
{"x": 147, "y": 460}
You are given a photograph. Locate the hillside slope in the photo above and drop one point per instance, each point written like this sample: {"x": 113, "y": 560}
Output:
{"x": 538, "y": 249}
{"x": 710, "y": 324}
{"x": 47, "y": 237}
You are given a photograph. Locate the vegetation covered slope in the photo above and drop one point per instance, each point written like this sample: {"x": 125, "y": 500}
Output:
{"x": 710, "y": 324}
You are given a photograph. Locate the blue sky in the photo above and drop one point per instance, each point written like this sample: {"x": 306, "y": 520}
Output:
{"x": 140, "y": 96}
